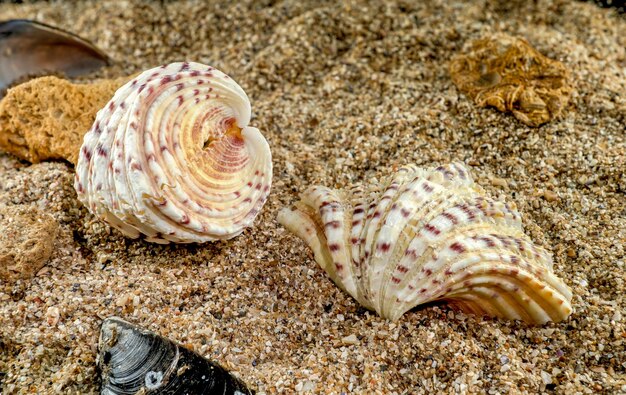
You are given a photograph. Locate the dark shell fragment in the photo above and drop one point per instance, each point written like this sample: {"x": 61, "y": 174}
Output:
{"x": 29, "y": 48}
{"x": 133, "y": 360}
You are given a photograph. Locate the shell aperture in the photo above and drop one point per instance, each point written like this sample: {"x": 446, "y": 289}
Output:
{"x": 171, "y": 156}
{"x": 429, "y": 235}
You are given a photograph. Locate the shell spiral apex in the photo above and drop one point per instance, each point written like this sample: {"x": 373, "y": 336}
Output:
{"x": 429, "y": 235}
{"x": 171, "y": 156}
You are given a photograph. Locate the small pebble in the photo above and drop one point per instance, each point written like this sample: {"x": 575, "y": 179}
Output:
{"x": 571, "y": 252}
{"x": 550, "y": 196}
{"x": 546, "y": 377}
{"x": 500, "y": 182}
{"x": 350, "y": 340}
{"x": 52, "y": 315}
{"x": 617, "y": 317}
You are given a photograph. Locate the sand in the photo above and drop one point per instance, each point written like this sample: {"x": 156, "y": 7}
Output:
{"x": 344, "y": 94}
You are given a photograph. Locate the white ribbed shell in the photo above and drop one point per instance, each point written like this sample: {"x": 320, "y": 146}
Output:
{"x": 172, "y": 157}
{"x": 429, "y": 235}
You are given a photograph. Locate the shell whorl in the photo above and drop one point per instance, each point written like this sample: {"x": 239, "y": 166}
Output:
{"x": 429, "y": 235}
{"x": 171, "y": 156}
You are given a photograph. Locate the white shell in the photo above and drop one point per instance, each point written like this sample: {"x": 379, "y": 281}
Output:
{"x": 172, "y": 157}
{"x": 429, "y": 235}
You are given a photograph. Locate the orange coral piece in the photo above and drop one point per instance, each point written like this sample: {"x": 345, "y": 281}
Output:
{"x": 508, "y": 73}
{"x": 47, "y": 117}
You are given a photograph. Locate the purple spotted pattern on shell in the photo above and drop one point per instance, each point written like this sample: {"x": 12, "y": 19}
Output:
{"x": 172, "y": 157}
{"x": 429, "y": 235}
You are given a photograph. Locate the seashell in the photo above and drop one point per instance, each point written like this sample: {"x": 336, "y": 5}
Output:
{"x": 172, "y": 157}
{"x": 29, "y": 48}
{"x": 132, "y": 360}
{"x": 429, "y": 235}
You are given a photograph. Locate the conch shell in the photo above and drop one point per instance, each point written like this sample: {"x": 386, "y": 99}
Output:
{"x": 429, "y": 235}
{"x": 171, "y": 156}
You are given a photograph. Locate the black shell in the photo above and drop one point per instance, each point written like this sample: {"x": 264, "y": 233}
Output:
{"x": 133, "y": 360}
{"x": 29, "y": 48}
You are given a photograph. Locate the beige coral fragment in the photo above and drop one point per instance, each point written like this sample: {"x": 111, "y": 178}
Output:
{"x": 507, "y": 73}
{"x": 26, "y": 241}
{"x": 46, "y": 118}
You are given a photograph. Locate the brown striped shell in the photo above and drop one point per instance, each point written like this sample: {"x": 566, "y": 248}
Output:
{"x": 429, "y": 235}
{"x": 172, "y": 157}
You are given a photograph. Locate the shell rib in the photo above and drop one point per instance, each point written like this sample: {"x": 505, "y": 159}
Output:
{"x": 429, "y": 235}
{"x": 172, "y": 157}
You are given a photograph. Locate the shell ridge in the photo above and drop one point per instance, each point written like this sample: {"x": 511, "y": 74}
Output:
{"x": 461, "y": 244}
{"x": 417, "y": 191}
{"x": 519, "y": 287}
{"x": 373, "y": 228}
{"x": 300, "y": 221}
{"x": 357, "y": 227}
{"x": 399, "y": 226}
{"x": 331, "y": 212}
{"x": 415, "y": 254}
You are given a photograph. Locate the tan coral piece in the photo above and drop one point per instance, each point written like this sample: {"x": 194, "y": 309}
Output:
{"x": 26, "y": 241}
{"x": 429, "y": 235}
{"x": 46, "y": 118}
{"x": 508, "y": 73}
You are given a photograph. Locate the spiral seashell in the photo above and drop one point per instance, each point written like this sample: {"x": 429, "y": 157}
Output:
{"x": 429, "y": 235}
{"x": 133, "y": 360}
{"x": 172, "y": 157}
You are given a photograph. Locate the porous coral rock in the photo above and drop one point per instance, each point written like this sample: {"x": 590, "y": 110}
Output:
{"x": 46, "y": 118}
{"x": 26, "y": 241}
{"x": 507, "y": 73}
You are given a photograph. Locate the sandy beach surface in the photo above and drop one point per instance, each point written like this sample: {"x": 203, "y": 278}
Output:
{"x": 344, "y": 94}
